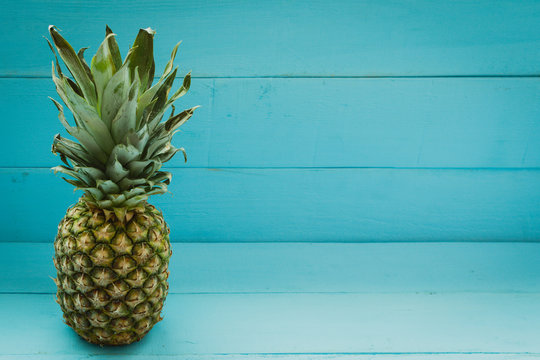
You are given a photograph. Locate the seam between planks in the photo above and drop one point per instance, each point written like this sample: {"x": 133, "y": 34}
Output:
{"x": 313, "y": 168}
{"x": 471, "y": 76}
{"x": 331, "y": 242}
{"x": 338, "y": 293}
{"x": 276, "y": 354}
{"x": 375, "y": 241}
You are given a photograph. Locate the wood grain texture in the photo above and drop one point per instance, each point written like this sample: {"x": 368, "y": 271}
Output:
{"x": 292, "y": 38}
{"x": 446, "y": 122}
{"x": 404, "y": 123}
{"x": 232, "y": 268}
{"x": 313, "y": 205}
{"x": 264, "y": 324}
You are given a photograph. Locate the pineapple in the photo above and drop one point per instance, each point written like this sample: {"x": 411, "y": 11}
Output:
{"x": 112, "y": 248}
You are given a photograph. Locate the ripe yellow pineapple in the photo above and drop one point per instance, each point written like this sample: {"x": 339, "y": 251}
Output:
{"x": 112, "y": 248}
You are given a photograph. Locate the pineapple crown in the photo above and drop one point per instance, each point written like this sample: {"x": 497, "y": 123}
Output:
{"x": 122, "y": 142}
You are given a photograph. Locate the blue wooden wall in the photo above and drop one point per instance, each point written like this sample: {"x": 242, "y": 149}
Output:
{"x": 320, "y": 120}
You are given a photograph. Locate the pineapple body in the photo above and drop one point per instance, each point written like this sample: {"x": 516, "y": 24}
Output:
{"x": 112, "y": 271}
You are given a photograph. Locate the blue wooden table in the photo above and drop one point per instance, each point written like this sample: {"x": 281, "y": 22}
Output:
{"x": 363, "y": 179}
{"x": 304, "y": 301}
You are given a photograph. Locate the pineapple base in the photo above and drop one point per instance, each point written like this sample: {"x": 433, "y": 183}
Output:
{"x": 112, "y": 271}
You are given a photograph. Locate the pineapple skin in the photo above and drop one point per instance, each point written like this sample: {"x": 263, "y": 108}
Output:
{"x": 112, "y": 269}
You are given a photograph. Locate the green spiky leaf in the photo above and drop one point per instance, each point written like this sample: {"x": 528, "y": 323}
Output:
{"x": 125, "y": 120}
{"x": 178, "y": 120}
{"x": 122, "y": 140}
{"x": 113, "y": 47}
{"x": 141, "y": 58}
{"x": 170, "y": 63}
{"x": 103, "y": 68}
{"x": 74, "y": 66}
{"x": 80, "y": 54}
{"x": 115, "y": 94}
{"x": 182, "y": 90}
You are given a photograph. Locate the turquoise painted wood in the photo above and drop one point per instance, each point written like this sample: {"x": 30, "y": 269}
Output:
{"x": 444, "y": 122}
{"x": 443, "y": 301}
{"x": 298, "y": 100}
{"x": 326, "y": 324}
{"x": 241, "y": 268}
{"x": 316, "y": 205}
{"x": 298, "y": 38}
{"x": 362, "y": 183}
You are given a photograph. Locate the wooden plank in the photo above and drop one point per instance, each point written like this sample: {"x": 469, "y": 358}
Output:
{"x": 289, "y": 324}
{"x": 313, "y": 205}
{"x": 313, "y": 268}
{"x": 446, "y": 122}
{"x": 300, "y": 38}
